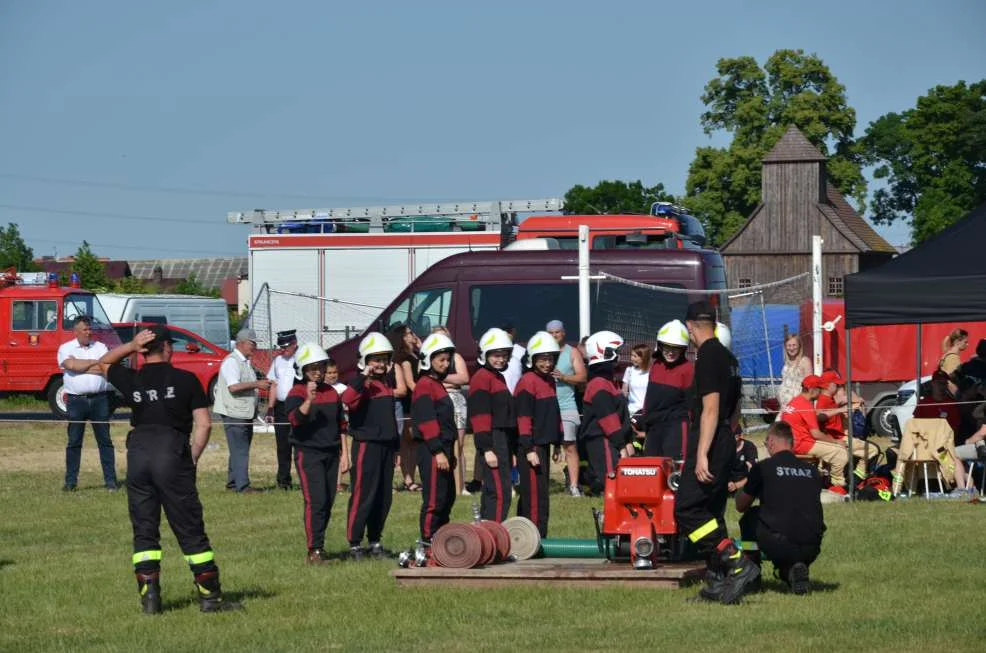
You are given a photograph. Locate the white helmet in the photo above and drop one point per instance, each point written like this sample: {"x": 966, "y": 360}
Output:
{"x": 602, "y": 346}
{"x": 434, "y": 344}
{"x": 308, "y": 354}
{"x": 724, "y": 335}
{"x": 493, "y": 340}
{"x": 674, "y": 334}
{"x": 374, "y": 343}
{"x": 541, "y": 342}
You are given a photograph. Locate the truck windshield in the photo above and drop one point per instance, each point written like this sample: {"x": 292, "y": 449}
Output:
{"x": 421, "y": 311}
{"x": 78, "y": 304}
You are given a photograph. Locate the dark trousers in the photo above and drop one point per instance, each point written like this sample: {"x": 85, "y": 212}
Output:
{"x": 497, "y": 485}
{"x": 282, "y": 438}
{"x": 533, "y": 501}
{"x": 603, "y": 456}
{"x": 80, "y": 410}
{"x": 700, "y": 507}
{"x": 161, "y": 474}
{"x": 775, "y": 546}
{"x": 318, "y": 472}
{"x": 437, "y": 490}
{"x": 667, "y": 439}
{"x": 239, "y": 436}
{"x": 371, "y": 479}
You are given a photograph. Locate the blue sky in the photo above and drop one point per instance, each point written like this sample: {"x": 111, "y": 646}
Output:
{"x": 178, "y": 112}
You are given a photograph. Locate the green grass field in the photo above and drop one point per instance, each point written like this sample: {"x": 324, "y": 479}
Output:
{"x": 901, "y": 577}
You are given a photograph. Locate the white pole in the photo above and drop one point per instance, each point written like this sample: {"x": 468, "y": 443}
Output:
{"x": 583, "y": 281}
{"x": 816, "y": 300}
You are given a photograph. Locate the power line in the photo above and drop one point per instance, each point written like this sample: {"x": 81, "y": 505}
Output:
{"x": 153, "y": 248}
{"x": 113, "y": 216}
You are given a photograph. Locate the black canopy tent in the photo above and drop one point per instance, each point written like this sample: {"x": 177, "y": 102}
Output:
{"x": 943, "y": 280}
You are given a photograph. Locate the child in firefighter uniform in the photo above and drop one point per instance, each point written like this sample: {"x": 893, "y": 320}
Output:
{"x": 539, "y": 427}
{"x": 168, "y": 406}
{"x": 433, "y": 427}
{"x": 605, "y": 427}
{"x": 665, "y": 411}
{"x": 316, "y": 416}
{"x": 494, "y": 425}
{"x": 376, "y": 439}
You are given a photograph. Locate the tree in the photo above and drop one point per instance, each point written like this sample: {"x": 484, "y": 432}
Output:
{"x": 14, "y": 252}
{"x": 756, "y": 105}
{"x": 614, "y": 197}
{"x": 91, "y": 271}
{"x": 192, "y": 286}
{"x": 131, "y": 286}
{"x": 933, "y": 158}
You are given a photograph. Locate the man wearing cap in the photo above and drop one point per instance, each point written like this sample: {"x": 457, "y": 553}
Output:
{"x": 809, "y": 440}
{"x": 87, "y": 398}
{"x": 281, "y": 377}
{"x": 168, "y": 408}
{"x": 832, "y": 419}
{"x": 236, "y": 403}
{"x": 700, "y": 503}
{"x": 569, "y": 372}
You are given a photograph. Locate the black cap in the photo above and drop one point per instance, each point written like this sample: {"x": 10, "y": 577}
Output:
{"x": 161, "y": 333}
{"x": 285, "y": 338}
{"x": 507, "y": 326}
{"x": 701, "y": 310}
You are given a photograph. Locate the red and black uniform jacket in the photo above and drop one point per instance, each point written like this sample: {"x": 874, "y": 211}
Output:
{"x": 324, "y": 424}
{"x": 491, "y": 408}
{"x": 371, "y": 410}
{"x": 538, "y": 416}
{"x": 432, "y": 415}
{"x": 667, "y": 392}
{"x": 604, "y": 411}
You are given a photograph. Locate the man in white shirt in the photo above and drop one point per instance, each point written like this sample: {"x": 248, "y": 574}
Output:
{"x": 236, "y": 403}
{"x": 88, "y": 399}
{"x": 281, "y": 377}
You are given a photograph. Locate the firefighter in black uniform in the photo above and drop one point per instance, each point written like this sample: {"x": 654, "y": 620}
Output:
{"x": 788, "y": 525}
{"x": 494, "y": 424}
{"x": 700, "y": 502}
{"x": 167, "y": 405}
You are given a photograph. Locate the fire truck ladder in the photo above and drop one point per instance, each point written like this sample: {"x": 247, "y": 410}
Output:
{"x": 493, "y": 216}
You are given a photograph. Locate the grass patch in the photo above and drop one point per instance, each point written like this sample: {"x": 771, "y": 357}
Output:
{"x": 896, "y": 577}
{"x": 23, "y": 403}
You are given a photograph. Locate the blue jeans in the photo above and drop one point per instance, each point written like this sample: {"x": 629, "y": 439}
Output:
{"x": 95, "y": 408}
{"x": 239, "y": 435}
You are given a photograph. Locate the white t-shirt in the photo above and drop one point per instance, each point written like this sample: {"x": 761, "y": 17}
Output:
{"x": 78, "y": 383}
{"x": 282, "y": 373}
{"x": 636, "y": 380}
{"x": 230, "y": 369}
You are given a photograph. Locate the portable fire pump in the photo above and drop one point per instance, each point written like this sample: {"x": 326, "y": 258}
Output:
{"x": 637, "y": 522}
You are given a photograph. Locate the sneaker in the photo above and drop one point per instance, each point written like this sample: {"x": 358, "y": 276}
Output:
{"x": 474, "y": 486}
{"x": 356, "y": 553}
{"x": 575, "y": 491}
{"x": 838, "y": 489}
{"x": 317, "y": 557}
{"x": 376, "y": 551}
{"x": 797, "y": 578}
{"x": 465, "y": 493}
{"x": 739, "y": 580}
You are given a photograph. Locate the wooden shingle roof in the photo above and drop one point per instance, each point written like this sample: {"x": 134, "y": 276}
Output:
{"x": 860, "y": 228}
{"x": 793, "y": 146}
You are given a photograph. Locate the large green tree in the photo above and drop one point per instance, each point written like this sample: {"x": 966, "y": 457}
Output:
{"x": 91, "y": 271}
{"x": 756, "y": 105}
{"x": 192, "y": 286}
{"x": 933, "y": 158}
{"x": 610, "y": 197}
{"x": 14, "y": 252}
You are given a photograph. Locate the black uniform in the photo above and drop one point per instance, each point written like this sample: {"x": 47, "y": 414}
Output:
{"x": 746, "y": 458}
{"x": 700, "y": 507}
{"x": 494, "y": 427}
{"x": 433, "y": 427}
{"x": 376, "y": 439}
{"x": 788, "y": 525}
{"x": 160, "y": 470}
{"x": 539, "y": 427}
{"x": 605, "y": 427}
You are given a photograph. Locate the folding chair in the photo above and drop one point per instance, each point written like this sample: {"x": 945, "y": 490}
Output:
{"x": 919, "y": 445}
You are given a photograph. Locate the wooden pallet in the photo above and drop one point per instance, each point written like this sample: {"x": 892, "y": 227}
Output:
{"x": 555, "y": 572}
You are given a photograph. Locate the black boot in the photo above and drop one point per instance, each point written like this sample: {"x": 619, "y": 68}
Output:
{"x": 149, "y": 587}
{"x": 741, "y": 573}
{"x": 211, "y": 595}
{"x": 715, "y": 580}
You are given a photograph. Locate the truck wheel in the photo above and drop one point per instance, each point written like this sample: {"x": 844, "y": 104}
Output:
{"x": 56, "y": 399}
{"x": 879, "y": 417}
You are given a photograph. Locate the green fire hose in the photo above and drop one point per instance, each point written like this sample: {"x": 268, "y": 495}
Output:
{"x": 570, "y": 548}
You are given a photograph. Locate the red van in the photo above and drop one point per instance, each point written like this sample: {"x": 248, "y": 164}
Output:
{"x": 471, "y": 292}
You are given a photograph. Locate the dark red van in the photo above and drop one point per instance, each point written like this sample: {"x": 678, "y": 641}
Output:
{"x": 471, "y": 292}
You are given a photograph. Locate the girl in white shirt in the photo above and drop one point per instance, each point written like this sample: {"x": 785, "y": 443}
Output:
{"x": 635, "y": 377}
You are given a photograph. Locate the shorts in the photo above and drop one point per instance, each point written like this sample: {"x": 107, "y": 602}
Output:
{"x": 459, "y": 406}
{"x": 570, "y": 421}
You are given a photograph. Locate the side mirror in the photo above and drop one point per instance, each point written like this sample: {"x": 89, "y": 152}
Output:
{"x": 192, "y": 348}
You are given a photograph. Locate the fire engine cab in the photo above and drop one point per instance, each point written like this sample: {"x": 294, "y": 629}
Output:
{"x": 36, "y": 316}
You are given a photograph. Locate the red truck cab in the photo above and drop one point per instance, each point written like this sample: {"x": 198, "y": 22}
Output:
{"x": 36, "y": 316}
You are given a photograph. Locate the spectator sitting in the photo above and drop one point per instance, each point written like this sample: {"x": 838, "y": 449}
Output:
{"x": 954, "y": 344}
{"x": 808, "y": 437}
{"x": 831, "y": 410}
{"x": 939, "y": 404}
{"x": 746, "y": 458}
{"x": 973, "y": 371}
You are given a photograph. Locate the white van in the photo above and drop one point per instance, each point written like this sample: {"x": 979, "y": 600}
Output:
{"x": 204, "y": 316}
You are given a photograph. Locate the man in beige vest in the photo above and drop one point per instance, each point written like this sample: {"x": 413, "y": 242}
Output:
{"x": 236, "y": 403}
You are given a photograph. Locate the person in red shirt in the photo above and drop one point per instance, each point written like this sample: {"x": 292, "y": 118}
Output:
{"x": 809, "y": 440}
{"x": 832, "y": 418}
{"x": 939, "y": 403}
